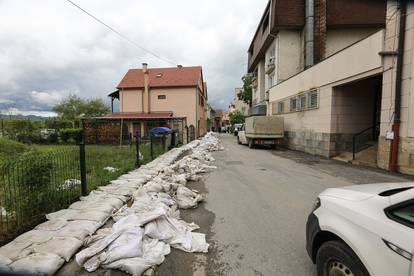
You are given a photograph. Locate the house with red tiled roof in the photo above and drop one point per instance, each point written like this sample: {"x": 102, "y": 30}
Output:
{"x": 152, "y": 97}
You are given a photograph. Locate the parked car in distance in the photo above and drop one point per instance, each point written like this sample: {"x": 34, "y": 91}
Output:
{"x": 262, "y": 130}
{"x": 363, "y": 230}
{"x": 237, "y": 127}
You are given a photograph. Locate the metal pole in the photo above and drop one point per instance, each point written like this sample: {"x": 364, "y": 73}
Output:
{"x": 353, "y": 148}
{"x": 137, "y": 148}
{"x": 84, "y": 187}
{"x": 151, "y": 146}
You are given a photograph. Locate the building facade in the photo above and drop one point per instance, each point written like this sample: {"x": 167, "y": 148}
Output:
{"x": 295, "y": 34}
{"x": 404, "y": 148}
{"x": 356, "y": 101}
{"x": 150, "y": 93}
{"x": 239, "y": 105}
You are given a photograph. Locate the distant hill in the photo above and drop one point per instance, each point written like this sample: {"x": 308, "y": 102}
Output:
{"x": 22, "y": 117}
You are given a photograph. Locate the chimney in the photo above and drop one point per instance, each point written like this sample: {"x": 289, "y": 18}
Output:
{"x": 146, "y": 96}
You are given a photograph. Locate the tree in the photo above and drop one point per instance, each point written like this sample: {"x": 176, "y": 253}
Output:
{"x": 246, "y": 94}
{"x": 73, "y": 108}
{"x": 236, "y": 117}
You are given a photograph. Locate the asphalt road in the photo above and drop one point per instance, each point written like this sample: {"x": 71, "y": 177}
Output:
{"x": 256, "y": 210}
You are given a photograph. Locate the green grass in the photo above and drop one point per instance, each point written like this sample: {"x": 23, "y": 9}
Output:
{"x": 31, "y": 185}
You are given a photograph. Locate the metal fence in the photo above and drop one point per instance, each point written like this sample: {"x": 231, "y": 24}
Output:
{"x": 37, "y": 183}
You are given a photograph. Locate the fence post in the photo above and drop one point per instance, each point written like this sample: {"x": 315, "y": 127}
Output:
{"x": 137, "y": 148}
{"x": 2, "y": 127}
{"x": 84, "y": 187}
{"x": 353, "y": 148}
{"x": 163, "y": 142}
{"x": 152, "y": 146}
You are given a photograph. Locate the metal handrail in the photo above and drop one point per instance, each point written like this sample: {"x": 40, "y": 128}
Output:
{"x": 358, "y": 134}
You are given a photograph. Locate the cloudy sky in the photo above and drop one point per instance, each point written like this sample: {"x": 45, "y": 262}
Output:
{"x": 49, "y": 49}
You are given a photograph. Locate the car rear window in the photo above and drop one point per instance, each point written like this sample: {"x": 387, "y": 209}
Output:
{"x": 395, "y": 191}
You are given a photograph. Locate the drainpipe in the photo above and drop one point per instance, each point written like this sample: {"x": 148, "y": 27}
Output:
{"x": 309, "y": 33}
{"x": 146, "y": 98}
{"x": 393, "y": 164}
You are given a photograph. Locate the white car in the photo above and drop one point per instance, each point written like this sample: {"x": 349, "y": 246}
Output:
{"x": 363, "y": 230}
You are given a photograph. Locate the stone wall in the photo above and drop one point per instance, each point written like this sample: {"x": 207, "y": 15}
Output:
{"x": 311, "y": 142}
{"x": 405, "y": 154}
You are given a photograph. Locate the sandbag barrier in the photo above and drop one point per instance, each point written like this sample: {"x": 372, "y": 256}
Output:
{"x": 142, "y": 234}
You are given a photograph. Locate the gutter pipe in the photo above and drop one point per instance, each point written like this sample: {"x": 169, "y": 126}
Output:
{"x": 309, "y": 33}
{"x": 393, "y": 163}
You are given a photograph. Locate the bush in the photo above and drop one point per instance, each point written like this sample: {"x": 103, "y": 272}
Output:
{"x": 28, "y": 183}
{"x": 53, "y": 138}
{"x": 68, "y": 134}
{"x": 10, "y": 148}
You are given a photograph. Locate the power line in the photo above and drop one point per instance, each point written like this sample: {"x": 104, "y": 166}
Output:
{"x": 122, "y": 35}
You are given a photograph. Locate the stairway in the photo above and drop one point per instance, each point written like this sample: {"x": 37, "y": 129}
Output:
{"x": 366, "y": 157}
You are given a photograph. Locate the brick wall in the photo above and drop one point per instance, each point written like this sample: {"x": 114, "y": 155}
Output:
{"x": 356, "y": 12}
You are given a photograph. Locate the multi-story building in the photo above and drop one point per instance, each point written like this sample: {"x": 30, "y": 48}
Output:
{"x": 238, "y": 105}
{"x": 151, "y": 97}
{"x": 356, "y": 101}
{"x": 295, "y": 34}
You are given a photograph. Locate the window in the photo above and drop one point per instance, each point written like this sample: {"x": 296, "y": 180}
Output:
{"x": 313, "y": 98}
{"x": 293, "y": 104}
{"x": 302, "y": 102}
{"x": 402, "y": 213}
{"x": 280, "y": 107}
{"x": 162, "y": 97}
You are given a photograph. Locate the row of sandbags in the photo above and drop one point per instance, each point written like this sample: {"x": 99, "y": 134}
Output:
{"x": 144, "y": 232}
{"x": 46, "y": 248}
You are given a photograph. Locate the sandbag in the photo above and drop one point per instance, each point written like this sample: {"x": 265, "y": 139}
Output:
{"x": 38, "y": 263}
{"x": 65, "y": 247}
{"x": 154, "y": 253}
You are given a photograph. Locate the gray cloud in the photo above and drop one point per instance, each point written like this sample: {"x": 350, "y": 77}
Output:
{"x": 48, "y": 49}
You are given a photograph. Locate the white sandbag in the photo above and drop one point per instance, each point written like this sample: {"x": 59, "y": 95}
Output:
{"x": 198, "y": 244}
{"x": 35, "y": 236}
{"x": 93, "y": 205}
{"x": 187, "y": 198}
{"x": 171, "y": 231}
{"x": 4, "y": 262}
{"x": 38, "y": 263}
{"x": 99, "y": 235}
{"x": 52, "y": 225}
{"x": 87, "y": 225}
{"x": 71, "y": 214}
{"x": 154, "y": 253}
{"x": 128, "y": 245}
{"x": 14, "y": 250}
{"x": 64, "y": 247}
{"x": 95, "y": 248}
{"x": 72, "y": 231}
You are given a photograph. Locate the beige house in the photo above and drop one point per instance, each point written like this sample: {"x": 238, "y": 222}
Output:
{"x": 358, "y": 100}
{"x": 152, "y": 97}
{"x": 238, "y": 105}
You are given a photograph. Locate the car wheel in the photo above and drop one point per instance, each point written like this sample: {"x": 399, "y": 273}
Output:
{"x": 250, "y": 143}
{"x": 335, "y": 258}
